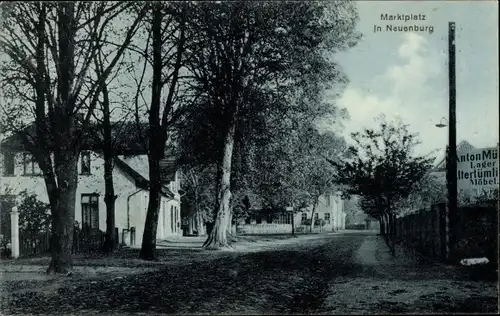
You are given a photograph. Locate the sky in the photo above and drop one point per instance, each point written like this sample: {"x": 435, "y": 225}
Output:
{"x": 405, "y": 74}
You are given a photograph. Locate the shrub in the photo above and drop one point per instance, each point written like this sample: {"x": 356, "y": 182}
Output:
{"x": 34, "y": 215}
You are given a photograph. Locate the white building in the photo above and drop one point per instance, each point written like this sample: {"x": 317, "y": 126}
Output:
{"x": 330, "y": 209}
{"x": 19, "y": 172}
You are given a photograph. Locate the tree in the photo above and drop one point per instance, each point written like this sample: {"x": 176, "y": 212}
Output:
{"x": 163, "y": 54}
{"x": 384, "y": 170}
{"x": 199, "y": 186}
{"x": 319, "y": 174}
{"x": 34, "y": 217}
{"x": 50, "y": 48}
{"x": 108, "y": 138}
{"x": 250, "y": 50}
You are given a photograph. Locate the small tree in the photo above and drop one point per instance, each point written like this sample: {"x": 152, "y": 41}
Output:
{"x": 384, "y": 170}
{"x": 34, "y": 215}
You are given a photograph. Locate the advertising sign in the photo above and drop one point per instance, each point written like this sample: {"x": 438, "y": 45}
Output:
{"x": 477, "y": 169}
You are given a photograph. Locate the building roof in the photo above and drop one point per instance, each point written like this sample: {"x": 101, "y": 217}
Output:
{"x": 139, "y": 180}
{"x": 463, "y": 146}
{"x": 127, "y": 139}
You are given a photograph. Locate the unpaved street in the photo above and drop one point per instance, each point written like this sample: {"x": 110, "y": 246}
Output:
{"x": 347, "y": 273}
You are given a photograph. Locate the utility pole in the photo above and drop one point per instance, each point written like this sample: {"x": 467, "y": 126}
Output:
{"x": 452, "y": 141}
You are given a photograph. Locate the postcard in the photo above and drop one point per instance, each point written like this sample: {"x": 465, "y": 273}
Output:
{"x": 249, "y": 157}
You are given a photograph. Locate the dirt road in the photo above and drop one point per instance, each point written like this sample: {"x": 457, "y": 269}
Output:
{"x": 349, "y": 273}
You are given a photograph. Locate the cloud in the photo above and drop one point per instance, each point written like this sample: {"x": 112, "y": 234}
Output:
{"x": 409, "y": 88}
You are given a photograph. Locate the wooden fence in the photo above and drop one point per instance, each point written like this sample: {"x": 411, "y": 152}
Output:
{"x": 427, "y": 231}
{"x": 84, "y": 241}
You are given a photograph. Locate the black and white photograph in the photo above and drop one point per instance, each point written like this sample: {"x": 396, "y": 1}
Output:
{"x": 333, "y": 157}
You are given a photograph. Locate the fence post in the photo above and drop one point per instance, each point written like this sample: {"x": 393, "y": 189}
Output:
{"x": 443, "y": 231}
{"x": 14, "y": 232}
{"x": 126, "y": 237}
{"x": 434, "y": 221}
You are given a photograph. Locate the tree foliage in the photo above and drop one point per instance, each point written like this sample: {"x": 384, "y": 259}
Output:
{"x": 34, "y": 215}
{"x": 384, "y": 169}
{"x": 262, "y": 60}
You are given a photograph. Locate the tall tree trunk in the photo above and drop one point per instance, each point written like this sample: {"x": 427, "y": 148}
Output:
{"x": 190, "y": 221}
{"x": 293, "y": 224}
{"x": 388, "y": 224}
{"x": 148, "y": 247}
{"x": 109, "y": 194}
{"x": 217, "y": 238}
{"x": 200, "y": 225}
{"x": 391, "y": 224}
{"x": 65, "y": 156}
{"x": 156, "y": 144}
{"x": 383, "y": 226}
{"x": 62, "y": 203}
{"x": 230, "y": 223}
{"x": 393, "y": 217}
{"x": 109, "y": 199}
{"x": 312, "y": 214}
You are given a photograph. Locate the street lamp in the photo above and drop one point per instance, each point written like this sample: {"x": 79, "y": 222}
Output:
{"x": 442, "y": 123}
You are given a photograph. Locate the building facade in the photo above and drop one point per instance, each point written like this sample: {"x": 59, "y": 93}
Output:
{"x": 328, "y": 215}
{"x": 19, "y": 171}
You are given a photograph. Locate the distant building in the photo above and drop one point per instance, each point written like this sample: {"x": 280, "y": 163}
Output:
{"x": 329, "y": 212}
{"x": 371, "y": 223}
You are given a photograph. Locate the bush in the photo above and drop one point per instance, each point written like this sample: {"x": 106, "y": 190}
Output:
{"x": 34, "y": 219}
{"x": 34, "y": 215}
{"x": 5, "y": 251}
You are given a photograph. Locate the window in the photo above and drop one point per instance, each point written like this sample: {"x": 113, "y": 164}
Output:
{"x": 303, "y": 218}
{"x": 327, "y": 218}
{"x": 85, "y": 163}
{"x": 171, "y": 218}
{"x": 90, "y": 211}
{"x": 8, "y": 164}
{"x": 178, "y": 218}
{"x": 30, "y": 167}
{"x": 286, "y": 219}
{"x": 175, "y": 219}
{"x": 316, "y": 216}
{"x": 164, "y": 211}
